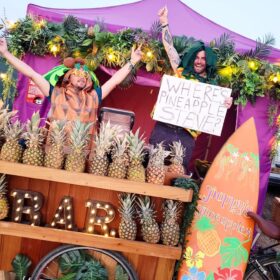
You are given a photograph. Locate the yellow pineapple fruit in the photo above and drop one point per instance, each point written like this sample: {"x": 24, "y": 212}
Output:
{"x": 177, "y": 155}
{"x": 136, "y": 170}
{"x": 127, "y": 226}
{"x": 5, "y": 118}
{"x": 54, "y": 157}
{"x": 98, "y": 164}
{"x": 4, "y": 206}
{"x": 156, "y": 169}
{"x": 79, "y": 138}
{"x": 149, "y": 227}
{"x": 170, "y": 230}
{"x": 12, "y": 150}
{"x": 118, "y": 166}
{"x": 208, "y": 240}
{"x": 34, "y": 136}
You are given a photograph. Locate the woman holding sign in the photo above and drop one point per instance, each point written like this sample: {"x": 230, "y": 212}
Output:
{"x": 198, "y": 64}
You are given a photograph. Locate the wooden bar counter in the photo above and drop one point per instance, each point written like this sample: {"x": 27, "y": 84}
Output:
{"x": 151, "y": 261}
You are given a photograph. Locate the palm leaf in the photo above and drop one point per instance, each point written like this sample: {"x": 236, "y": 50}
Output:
{"x": 92, "y": 270}
{"x": 182, "y": 44}
{"x": 263, "y": 47}
{"x": 224, "y": 47}
{"x": 155, "y": 30}
{"x": 21, "y": 264}
{"x": 72, "y": 261}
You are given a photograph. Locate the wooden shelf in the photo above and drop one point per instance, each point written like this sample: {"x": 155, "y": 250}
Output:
{"x": 100, "y": 182}
{"x": 85, "y": 239}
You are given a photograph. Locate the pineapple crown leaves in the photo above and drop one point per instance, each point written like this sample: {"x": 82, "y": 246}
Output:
{"x": 158, "y": 154}
{"x": 3, "y": 185}
{"x": 5, "y": 117}
{"x": 204, "y": 224}
{"x": 79, "y": 136}
{"x": 136, "y": 145}
{"x": 177, "y": 152}
{"x": 171, "y": 209}
{"x": 145, "y": 212}
{"x": 58, "y": 132}
{"x": 127, "y": 209}
{"x": 119, "y": 148}
{"x": 13, "y": 131}
{"x": 34, "y": 134}
{"x": 104, "y": 139}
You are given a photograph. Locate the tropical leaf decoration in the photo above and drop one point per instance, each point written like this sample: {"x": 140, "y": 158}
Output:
{"x": 224, "y": 47}
{"x": 155, "y": 30}
{"x": 80, "y": 265}
{"x": 263, "y": 47}
{"x": 120, "y": 274}
{"x": 233, "y": 253}
{"x": 73, "y": 261}
{"x": 92, "y": 270}
{"x": 21, "y": 264}
{"x": 247, "y": 74}
{"x": 183, "y": 43}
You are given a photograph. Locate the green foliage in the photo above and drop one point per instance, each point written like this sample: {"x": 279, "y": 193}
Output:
{"x": 92, "y": 270}
{"x": 98, "y": 46}
{"x": 120, "y": 274}
{"x": 21, "y": 264}
{"x": 233, "y": 253}
{"x": 80, "y": 265}
{"x": 190, "y": 208}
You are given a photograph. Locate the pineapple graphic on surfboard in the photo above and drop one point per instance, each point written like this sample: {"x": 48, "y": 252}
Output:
{"x": 220, "y": 238}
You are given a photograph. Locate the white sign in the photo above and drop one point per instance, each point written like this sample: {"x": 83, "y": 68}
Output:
{"x": 191, "y": 104}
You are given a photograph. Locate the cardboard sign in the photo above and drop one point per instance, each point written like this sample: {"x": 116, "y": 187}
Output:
{"x": 221, "y": 234}
{"x": 191, "y": 104}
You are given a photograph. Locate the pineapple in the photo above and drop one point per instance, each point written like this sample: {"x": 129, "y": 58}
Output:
{"x": 12, "y": 150}
{"x": 5, "y": 117}
{"x": 127, "y": 226}
{"x": 55, "y": 156}
{"x": 136, "y": 170}
{"x": 34, "y": 136}
{"x": 118, "y": 168}
{"x": 208, "y": 240}
{"x": 79, "y": 138}
{"x": 149, "y": 227}
{"x": 103, "y": 142}
{"x": 177, "y": 155}
{"x": 4, "y": 207}
{"x": 156, "y": 169}
{"x": 170, "y": 231}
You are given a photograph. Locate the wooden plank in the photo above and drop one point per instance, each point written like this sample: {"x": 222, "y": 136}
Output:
{"x": 100, "y": 182}
{"x": 117, "y": 244}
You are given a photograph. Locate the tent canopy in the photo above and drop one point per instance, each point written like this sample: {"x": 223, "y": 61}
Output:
{"x": 183, "y": 21}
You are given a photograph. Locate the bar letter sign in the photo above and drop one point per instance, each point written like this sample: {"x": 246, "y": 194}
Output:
{"x": 191, "y": 104}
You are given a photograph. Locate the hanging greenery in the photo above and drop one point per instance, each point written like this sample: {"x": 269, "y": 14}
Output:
{"x": 247, "y": 74}
{"x": 189, "y": 211}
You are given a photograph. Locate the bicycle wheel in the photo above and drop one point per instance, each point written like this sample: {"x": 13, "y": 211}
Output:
{"x": 49, "y": 268}
{"x": 270, "y": 265}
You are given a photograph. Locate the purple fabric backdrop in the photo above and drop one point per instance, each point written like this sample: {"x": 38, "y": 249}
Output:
{"x": 183, "y": 20}
{"x": 41, "y": 64}
{"x": 265, "y": 133}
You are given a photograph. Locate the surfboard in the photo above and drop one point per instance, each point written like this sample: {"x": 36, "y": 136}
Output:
{"x": 221, "y": 234}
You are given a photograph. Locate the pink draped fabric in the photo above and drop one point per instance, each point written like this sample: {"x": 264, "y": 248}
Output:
{"x": 142, "y": 14}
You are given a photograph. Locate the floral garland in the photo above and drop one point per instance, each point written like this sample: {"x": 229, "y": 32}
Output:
{"x": 248, "y": 75}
